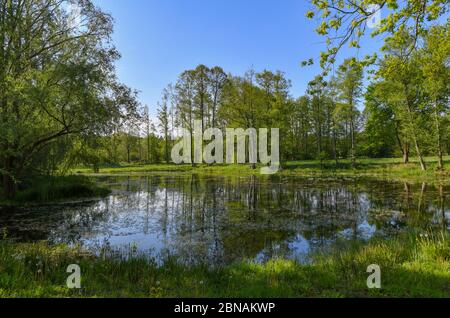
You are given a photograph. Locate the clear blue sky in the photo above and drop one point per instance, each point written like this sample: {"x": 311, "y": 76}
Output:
{"x": 158, "y": 39}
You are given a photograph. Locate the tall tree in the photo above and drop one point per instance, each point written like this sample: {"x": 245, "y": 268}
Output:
{"x": 382, "y": 132}
{"x": 316, "y": 91}
{"x": 148, "y": 131}
{"x": 434, "y": 60}
{"x": 56, "y": 79}
{"x": 164, "y": 122}
{"x": 185, "y": 99}
{"x": 332, "y": 129}
{"x": 349, "y": 82}
{"x": 217, "y": 79}
{"x": 404, "y": 76}
{"x": 201, "y": 87}
{"x": 302, "y": 126}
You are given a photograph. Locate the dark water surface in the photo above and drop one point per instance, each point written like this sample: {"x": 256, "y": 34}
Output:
{"x": 219, "y": 220}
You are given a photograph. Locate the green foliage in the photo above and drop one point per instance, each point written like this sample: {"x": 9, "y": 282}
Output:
{"x": 56, "y": 80}
{"x": 380, "y": 130}
{"x": 412, "y": 73}
{"x": 50, "y": 189}
{"x": 348, "y": 19}
{"x": 62, "y": 106}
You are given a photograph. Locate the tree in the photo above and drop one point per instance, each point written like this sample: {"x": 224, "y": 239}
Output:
{"x": 316, "y": 91}
{"x": 382, "y": 131}
{"x": 243, "y": 102}
{"x": 163, "y": 117}
{"x": 147, "y": 124}
{"x": 302, "y": 126}
{"x": 56, "y": 79}
{"x": 349, "y": 82}
{"x": 200, "y": 77}
{"x": 131, "y": 141}
{"x": 434, "y": 59}
{"x": 185, "y": 103}
{"x": 404, "y": 77}
{"x": 217, "y": 79}
{"x": 278, "y": 105}
{"x": 90, "y": 152}
{"x": 345, "y": 21}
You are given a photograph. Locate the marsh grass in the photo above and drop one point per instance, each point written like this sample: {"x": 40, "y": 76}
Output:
{"x": 50, "y": 189}
{"x": 412, "y": 265}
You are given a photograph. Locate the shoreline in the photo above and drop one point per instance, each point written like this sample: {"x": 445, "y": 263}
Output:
{"x": 412, "y": 265}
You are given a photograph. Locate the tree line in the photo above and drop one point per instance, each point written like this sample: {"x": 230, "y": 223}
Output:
{"x": 398, "y": 107}
{"x": 61, "y": 104}
{"x": 58, "y": 87}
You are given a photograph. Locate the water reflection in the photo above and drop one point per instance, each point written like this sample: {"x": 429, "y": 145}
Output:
{"x": 219, "y": 220}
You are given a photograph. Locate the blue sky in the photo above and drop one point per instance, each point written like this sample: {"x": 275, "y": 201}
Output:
{"x": 159, "y": 39}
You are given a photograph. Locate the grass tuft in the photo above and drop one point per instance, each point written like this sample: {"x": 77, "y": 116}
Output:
{"x": 411, "y": 266}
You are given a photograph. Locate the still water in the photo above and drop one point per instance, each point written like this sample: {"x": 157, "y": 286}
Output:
{"x": 219, "y": 220}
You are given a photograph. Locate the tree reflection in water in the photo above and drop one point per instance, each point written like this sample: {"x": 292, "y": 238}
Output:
{"x": 219, "y": 220}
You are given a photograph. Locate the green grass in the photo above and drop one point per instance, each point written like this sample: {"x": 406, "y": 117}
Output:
{"x": 411, "y": 266}
{"x": 51, "y": 189}
{"x": 392, "y": 169}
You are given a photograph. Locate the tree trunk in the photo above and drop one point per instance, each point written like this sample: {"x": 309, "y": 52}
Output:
{"x": 335, "y": 156}
{"x": 439, "y": 138}
{"x": 423, "y": 165}
{"x": 166, "y": 149}
{"x": 352, "y": 136}
{"x": 140, "y": 149}
{"x": 9, "y": 185}
{"x": 404, "y": 146}
{"x": 148, "y": 147}
{"x": 405, "y": 154}
{"x": 192, "y": 148}
{"x": 440, "y": 159}
{"x": 305, "y": 143}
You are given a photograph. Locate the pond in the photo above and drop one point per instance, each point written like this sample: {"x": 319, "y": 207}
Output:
{"x": 219, "y": 220}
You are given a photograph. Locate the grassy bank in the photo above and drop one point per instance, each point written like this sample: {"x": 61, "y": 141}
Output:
{"x": 51, "y": 189}
{"x": 411, "y": 266}
{"x": 392, "y": 169}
